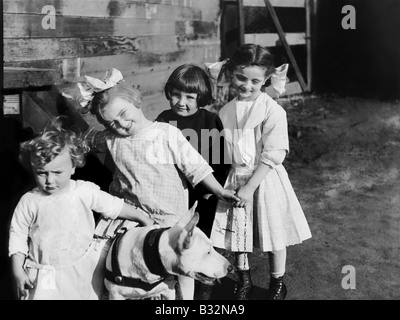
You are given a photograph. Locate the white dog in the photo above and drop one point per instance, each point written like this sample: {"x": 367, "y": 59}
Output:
{"x": 143, "y": 263}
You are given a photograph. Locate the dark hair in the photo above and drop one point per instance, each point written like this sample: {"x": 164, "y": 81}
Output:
{"x": 191, "y": 79}
{"x": 250, "y": 55}
{"x": 48, "y": 144}
{"x": 101, "y": 99}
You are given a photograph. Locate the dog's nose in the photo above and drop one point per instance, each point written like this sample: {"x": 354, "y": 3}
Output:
{"x": 230, "y": 269}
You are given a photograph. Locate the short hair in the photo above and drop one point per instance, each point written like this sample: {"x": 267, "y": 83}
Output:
{"x": 191, "y": 79}
{"x": 101, "y": 99}
{"x": 52, "y": 141}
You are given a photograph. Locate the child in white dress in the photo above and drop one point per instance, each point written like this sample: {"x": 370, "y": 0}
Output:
{"x": 54, "y": 255}
{"x": 269, "y": 215}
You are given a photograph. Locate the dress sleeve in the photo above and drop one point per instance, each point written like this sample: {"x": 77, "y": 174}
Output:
{"x": 187, "y": 158}
{"x": 20, "y": 225}
{"x": 102, "y": 202}
{"x": 275, "y": 132}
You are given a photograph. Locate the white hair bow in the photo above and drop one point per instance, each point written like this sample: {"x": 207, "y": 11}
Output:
{"x": 93, "y": 85}
{"x": 279, "y": 79}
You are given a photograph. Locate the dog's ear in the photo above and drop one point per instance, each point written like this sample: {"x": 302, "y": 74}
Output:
{"x": 193, "y": 208}
{"x": 187, "y": 218}
{"x": 186, "y": 236}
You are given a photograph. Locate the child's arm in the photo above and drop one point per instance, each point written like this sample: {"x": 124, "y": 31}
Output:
{"x": 245, "y": 193}
{"x": 223, "y": 194}
{"x": 129, "y": 212}
{"x": 20, "y": 277}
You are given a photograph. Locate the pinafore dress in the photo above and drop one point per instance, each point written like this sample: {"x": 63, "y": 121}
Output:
{"x": 274, "y": 219}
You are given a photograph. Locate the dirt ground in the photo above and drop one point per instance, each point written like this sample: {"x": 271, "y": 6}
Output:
{"x": 344, "y": 166}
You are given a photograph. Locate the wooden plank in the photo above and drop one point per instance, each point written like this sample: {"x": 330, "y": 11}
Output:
{"x": 196, "y": 29}
{"x": 272, "y": 39}
{"x": 153, "y": 105}
{"x": 241, "y": 23}
{"x": 309, "y": 12}
{"x": 275, "y": 3}
{"x": 198, "y": 51}
{"x": 30, "y": 26}
{"x": 143, "y": 63}
{"x": 105, "y": 9}
{"x": 26, "y": 77}
{"x": 64, "y": 48}
{"x": 286, "y": 45}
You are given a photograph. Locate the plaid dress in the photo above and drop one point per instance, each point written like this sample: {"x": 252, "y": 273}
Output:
{"x": 275, "y": 218}
{"x": 152, "y": 170}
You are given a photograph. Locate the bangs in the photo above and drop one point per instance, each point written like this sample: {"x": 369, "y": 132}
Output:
{"x": 190, "y": 79}
{"x": 189, "y": 83}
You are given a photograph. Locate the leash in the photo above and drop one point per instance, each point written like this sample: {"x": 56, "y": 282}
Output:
{"x": 151, "y": 257}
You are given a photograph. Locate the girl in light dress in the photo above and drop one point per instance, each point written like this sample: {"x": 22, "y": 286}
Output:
{"x": 269, "y": 215}
{"x": 54, "y": 254}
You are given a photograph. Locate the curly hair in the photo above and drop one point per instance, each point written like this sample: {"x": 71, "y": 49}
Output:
{"x": 101, "y": 99}
{"x": 191, "y": 79}
{"x": 50, "y": 143}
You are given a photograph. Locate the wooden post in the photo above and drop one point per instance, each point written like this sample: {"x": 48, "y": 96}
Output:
{"x": 286, "y": 45}
{"x": 308, "y": 43}
{"x": 241, "y": 22}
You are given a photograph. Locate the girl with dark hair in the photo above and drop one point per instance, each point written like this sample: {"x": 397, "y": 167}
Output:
{"x": 188, "y": 90}
{"x": 269, "y": 215}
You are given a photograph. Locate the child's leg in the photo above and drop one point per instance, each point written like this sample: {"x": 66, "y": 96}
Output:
{"x": 242, "y": 261}
{"x": 277, "y": 265}
{"x": 187, "y": 287}
{"x": 244, "y": 286}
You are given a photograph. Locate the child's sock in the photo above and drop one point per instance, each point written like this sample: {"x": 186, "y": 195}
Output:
{"x": 277, "y": 263}
{"x": 242, "y": 261}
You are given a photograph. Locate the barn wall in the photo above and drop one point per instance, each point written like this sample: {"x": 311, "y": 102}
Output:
{"x": 362, "y": 62}
{"x": 146, "y": 40}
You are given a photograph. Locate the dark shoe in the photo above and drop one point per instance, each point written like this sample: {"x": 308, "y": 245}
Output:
{"x": 244, "y": 286}
{"x": 277, "y": 289}
{"x": 203, "y": 292}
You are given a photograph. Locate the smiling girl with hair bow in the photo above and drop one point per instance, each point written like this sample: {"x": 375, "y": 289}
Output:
{"x": 269, "y": 215}
{"x": 154, "y": 163}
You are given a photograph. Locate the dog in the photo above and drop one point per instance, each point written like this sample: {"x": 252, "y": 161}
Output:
{"x": 144, "y": 262}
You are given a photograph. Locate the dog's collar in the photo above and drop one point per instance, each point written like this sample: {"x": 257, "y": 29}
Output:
{"x": 151, "y": 258}
{"x": 151, "y": 254}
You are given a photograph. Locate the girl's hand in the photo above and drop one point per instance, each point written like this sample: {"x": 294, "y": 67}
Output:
{"x": 23, "y": 283}
{"x": 245, "y": 193}
{"x": 227, "y": 195}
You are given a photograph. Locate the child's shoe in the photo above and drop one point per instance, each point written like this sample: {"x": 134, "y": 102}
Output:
{"x": 244, "y": 286}
{"x": 277, "y": 289}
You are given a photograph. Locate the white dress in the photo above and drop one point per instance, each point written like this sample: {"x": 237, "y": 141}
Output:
{"x": 55, "y": 232}
{"x": 275, "y": 218}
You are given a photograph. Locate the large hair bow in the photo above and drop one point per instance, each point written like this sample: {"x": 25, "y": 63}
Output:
{"x": 278, "y": 78}
{"x": 93, "y": 85}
